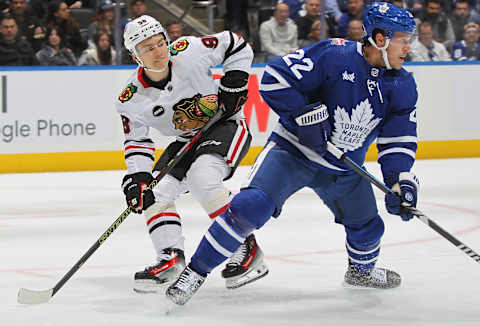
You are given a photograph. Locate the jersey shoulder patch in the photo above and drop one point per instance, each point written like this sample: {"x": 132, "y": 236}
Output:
{"x": 210, "y": 42}
{"x": 127, "y": 93}
{"x": 179, "y": 46}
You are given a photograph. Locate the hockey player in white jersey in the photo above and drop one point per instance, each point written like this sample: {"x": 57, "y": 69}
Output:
{"x": 173, "y": 91}
{"x": 350, "y": 94}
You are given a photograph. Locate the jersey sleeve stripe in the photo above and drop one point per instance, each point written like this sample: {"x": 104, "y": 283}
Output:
{"x": 230, "y": 46}
{"x": 281, "y": 82}
{"x": 396, "y": 150}
{"x": 238, "y": 49}
{"x": 401, "y": 139}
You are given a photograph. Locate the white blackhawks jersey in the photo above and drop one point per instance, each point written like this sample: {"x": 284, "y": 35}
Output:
{"x": 187, "y": 101}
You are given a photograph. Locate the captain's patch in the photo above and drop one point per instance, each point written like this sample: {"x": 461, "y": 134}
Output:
{"x": 127, "y": 93}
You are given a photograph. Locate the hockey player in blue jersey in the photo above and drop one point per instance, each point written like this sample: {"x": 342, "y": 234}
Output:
{"x": 347, "y": 93}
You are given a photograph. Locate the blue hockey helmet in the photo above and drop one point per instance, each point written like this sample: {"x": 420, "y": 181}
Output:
{"x": 388, "y": 18}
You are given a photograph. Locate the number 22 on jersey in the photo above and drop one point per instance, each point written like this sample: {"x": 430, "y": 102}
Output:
{"x": 305, "y": 64}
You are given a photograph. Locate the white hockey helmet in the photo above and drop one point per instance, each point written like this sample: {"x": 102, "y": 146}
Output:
{"x": 140, "y": 29}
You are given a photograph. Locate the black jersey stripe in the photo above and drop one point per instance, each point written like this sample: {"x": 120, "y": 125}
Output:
{"x": 150, "y": 156}
{"x": 153, "y": 228}
{"x": 147, "y": 140}
{"x": 238, "y": 49}
{"x": 230, "y": 46}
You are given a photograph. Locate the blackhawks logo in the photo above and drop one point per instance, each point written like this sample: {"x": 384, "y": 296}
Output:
{"x": 127, "y": 93}
{"x": 192, "y": 113}
{"x": 178, "y": 46}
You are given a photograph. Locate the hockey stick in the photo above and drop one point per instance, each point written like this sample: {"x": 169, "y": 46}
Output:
{"x": 457, "y": 243}
{"x": 26, "y": 296}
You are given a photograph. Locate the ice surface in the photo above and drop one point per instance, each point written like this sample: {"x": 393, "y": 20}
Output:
{"x": 49, "y": 220}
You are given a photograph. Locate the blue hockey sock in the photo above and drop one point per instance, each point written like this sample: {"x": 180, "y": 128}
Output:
{"x": 363, "y": 258}
{"x": 363, "y": 244}
{"x": 219, "y": 243}
{"x": 249, "y": 210}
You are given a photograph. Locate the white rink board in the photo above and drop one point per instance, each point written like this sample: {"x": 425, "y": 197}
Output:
{"x": 72, "y": 110}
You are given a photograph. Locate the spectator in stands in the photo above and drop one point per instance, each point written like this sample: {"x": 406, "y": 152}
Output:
{"x": 314, "y": 36}
{"x": 137, "y": 8}
{"x": 104, "y": 19}
{"x": 355, "y": 30}
{"x": 29, "y": 26}
{"x": 53, "y": 52}
{"x": 3, "y": 5}
{"x": 14, "y": 50}
{"x": 174, "y": 30}
{"x": 305, "y": 23}
{"x": 355, "y": 9}
{"x": 398, "y": 3}
{"x": 40, "y": 7}
{"x": 461, "y": 16}
{"x": 236, "y": 16}
{"x": 441, "y": 25}
{"x": 59, "y": 15}
{"x": 103, "y": 52}
{"x": 425, "y": 48}
{"x": 469, "y": 47}
{"x": 278, "y": 36}
{"x": 297, "y": 8}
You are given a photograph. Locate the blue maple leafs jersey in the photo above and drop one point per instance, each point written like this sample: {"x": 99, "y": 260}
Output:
{"x": 364, "y": 102}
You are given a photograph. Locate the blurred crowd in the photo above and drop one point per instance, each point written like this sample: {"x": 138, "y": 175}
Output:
{"x": 71, "y": 32}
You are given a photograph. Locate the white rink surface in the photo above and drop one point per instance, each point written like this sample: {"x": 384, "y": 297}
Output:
{"x": 48, "y": 221}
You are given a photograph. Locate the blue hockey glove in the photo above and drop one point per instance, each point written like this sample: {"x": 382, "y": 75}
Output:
{"x": 405, "y": 195}
{"x": 135, "y": 187}
{"x": 313, "y": 127}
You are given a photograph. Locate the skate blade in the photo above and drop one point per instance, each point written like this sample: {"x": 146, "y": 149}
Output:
{"x": 146, "y": 287}
{"x": 363, "y": 287}
{"x": 255, "y": 274}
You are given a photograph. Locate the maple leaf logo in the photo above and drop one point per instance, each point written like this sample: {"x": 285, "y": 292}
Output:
{"x": 351, "y": 132}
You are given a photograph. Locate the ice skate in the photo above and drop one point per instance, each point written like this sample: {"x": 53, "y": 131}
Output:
{"x": 158, "y": 276}
{"x": 245, "y": 266}
{"x": 378, "y": 278}
{"x": 185, "y": 286}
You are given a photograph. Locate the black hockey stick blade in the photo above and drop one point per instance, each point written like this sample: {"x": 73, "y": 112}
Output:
{"x": 26, "y": 296}
{"x": 417, "y": 213}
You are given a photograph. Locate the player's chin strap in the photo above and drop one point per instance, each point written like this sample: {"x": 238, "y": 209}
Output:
{"x": 383, "y": 49}
{"x": 141, "y": 64}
